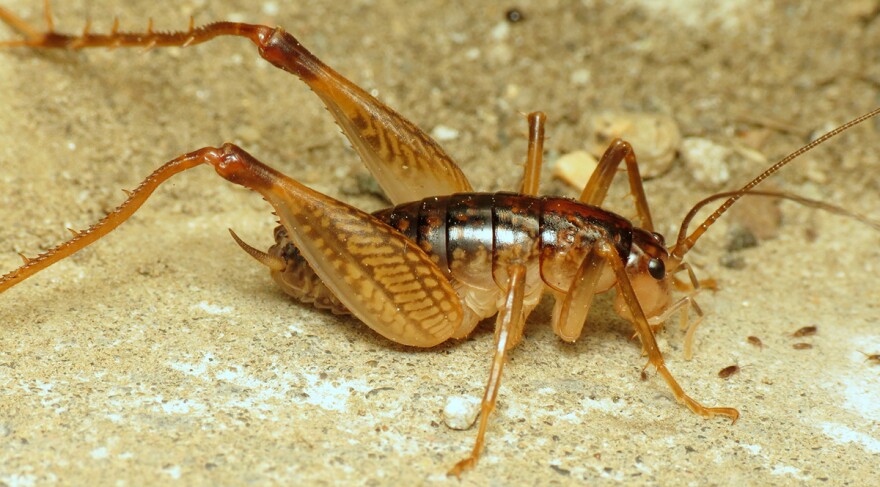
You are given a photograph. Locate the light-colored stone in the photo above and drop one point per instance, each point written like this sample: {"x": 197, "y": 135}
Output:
{"x": 575, "y": 168}
{"x": 655, "y": 138}
{"x": 461, "y": 412}
{"x": 707, "y": 161}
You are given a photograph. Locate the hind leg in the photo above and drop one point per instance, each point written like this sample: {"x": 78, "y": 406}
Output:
{"x": 508, "y": 324}
{"x": 407, "y": 163}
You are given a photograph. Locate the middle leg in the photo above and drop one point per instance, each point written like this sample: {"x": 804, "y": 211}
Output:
{"x": 532, "y": 174}
{"x": 597, "y": 187}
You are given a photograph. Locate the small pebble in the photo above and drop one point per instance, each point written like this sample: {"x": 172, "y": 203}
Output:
{"x": 443, "y": 133}
{"x": 575, "y": 168}
{"x": 460, "y": 412}
{"x": 707, "y": 161}
{"x": 500, "y": 31}
{"x": 740, "y": 238}
{"x": 581, "y": 77}
{"x": 655, "y": 138}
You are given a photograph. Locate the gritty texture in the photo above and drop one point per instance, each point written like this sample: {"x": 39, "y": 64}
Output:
{"x": 164, "y": 352}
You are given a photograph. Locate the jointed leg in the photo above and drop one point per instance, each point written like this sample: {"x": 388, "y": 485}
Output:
{"x": 106, "y": 225}
{"x": 597, "y": 187}
{"x": 649, "y": 343}
{"x": 684, "y": 304}
{"x": 407, "y": 163}
{"x": 510, "y": 318}
{"x": 689, "y": 302}
{"x": 374, "y": 270}
{"x": 532, "y": 175}
{"x": 571, "y": 309}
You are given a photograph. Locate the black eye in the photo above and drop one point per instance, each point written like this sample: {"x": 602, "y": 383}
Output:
{"x": 657, "y": 269}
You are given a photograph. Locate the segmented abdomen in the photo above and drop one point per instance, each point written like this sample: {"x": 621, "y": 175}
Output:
{"x": 474, "y": 238}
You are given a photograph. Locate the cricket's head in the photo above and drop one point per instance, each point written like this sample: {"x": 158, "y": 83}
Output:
{"x": 650, "y": 265}
{"x": 649, "y": 272}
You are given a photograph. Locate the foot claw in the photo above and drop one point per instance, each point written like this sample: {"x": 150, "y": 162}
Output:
{"x": 461, "y": 467}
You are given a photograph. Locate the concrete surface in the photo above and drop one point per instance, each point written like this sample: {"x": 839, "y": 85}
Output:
{"x": 165, "y": 353}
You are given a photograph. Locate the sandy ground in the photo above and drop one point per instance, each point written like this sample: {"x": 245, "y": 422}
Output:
{"x": 164, "y": 352}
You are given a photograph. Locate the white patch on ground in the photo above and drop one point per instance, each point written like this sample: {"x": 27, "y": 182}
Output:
{"x": 295, "y": 328}
{"x": 753, "y": 449}
{"x": 698, "y": 13}
{"x": 571, "y": 417}
{"x": 99, "y": 453}
{"x": 15, "y": 480}
{"x": 48, "y": 397}
{"x": 331, "y": 396}
{"x": 781, "y": 469}
{"x": 444, "y": 133}
{"x": 619, "y": 408}
{"x": 844, "y": 434}
{"x": 862, "y": 396}
{"x": 182, "y": 406}
{"x": 172, "y": 471}
{"x": 212, "y": 308}
{"x": 197, "y": 370}
{"x": 282, "y": 389}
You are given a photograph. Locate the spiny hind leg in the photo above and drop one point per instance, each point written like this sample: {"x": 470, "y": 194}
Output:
{"x": 646, "y": 335}
{"x": 408, "y": 164}
{"x": 375, "y": 271}
{"x": 507, "y": 327}
{"x": 123, "y": 212}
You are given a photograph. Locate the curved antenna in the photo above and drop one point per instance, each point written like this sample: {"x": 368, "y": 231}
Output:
{"x": 683, "y": 243}
{"x": 820, "y": 205}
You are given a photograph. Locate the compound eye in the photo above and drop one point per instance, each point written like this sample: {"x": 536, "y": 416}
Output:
{"x": 657, "y": 269}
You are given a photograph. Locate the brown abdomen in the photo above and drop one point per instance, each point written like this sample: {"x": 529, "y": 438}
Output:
{"x": 474, "y": 238}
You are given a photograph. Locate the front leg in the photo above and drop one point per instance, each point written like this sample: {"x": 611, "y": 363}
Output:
{"x": 646, "y": 335}
{"x": 597, "y": 187}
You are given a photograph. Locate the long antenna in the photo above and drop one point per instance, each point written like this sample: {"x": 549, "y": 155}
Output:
{"x": 683, "y": 244}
